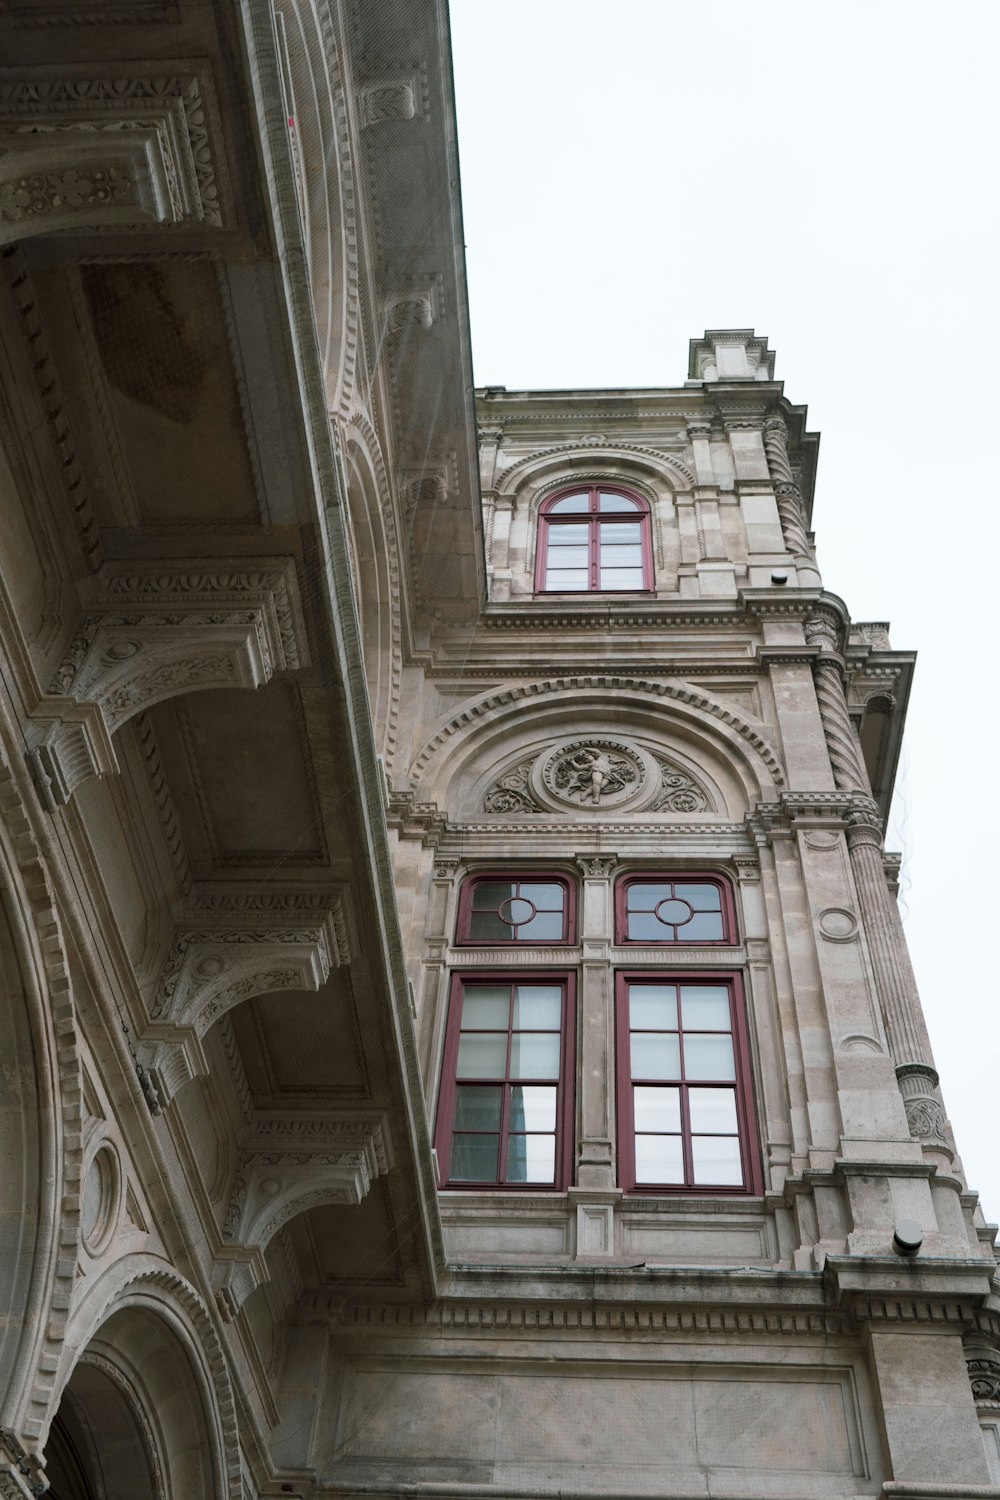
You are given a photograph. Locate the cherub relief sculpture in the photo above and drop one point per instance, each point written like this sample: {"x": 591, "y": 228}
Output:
{"x": 591, "y": 772}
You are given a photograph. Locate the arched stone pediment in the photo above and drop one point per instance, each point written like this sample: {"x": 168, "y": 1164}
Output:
{"x": 623, "y": 459}
{"x": 719, "y": 756}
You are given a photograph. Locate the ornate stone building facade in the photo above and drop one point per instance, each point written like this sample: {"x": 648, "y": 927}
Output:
{"x": 458, "y": 1038}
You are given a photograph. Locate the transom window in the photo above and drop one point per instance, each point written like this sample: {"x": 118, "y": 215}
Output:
{"x": 685, "y": 909}
{"x": 684, "y": 1095}
{"x": 594, "y": 540}
{"x": 505, "y": 1111}
{"x": 522, "y": 909}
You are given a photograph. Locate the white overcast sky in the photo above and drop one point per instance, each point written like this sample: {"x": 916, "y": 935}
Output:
{"x": 635, "y": 173}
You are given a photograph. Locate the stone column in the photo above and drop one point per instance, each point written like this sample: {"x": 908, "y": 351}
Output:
{"x": 895, "y": 983}
{"x": 849, "y": 774}
{"x": 787, "y": 494}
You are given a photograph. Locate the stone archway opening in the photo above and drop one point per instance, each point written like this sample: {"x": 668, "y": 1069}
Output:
{"x": 98, "y": 1448}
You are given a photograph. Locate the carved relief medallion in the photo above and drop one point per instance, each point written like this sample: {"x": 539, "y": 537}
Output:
{"x": 594, "y": 773}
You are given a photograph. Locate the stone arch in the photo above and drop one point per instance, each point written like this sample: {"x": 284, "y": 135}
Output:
{"x": 617, "y": 701}
{"x": 39, "y": 1027}
{"x": 327, "y": 189}
{"x": 146, "y": 1330}
{"x": 379, "y": 582}
{"x": 608, "y": 458}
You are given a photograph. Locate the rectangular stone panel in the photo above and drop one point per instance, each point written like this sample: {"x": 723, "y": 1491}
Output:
{"x": 635, "y": 1427}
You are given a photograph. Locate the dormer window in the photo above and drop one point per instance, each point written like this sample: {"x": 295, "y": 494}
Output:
{"x": 595, "y": 540}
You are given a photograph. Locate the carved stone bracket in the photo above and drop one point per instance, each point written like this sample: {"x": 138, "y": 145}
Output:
{"x": 597, "y": 866}
{"x": 984, "y": 1375}
{"x": 229, "y": 949}
{"x": 109, "y": 153}
{"x": 151, "y": 633}
{"x": 288, "y": 1166}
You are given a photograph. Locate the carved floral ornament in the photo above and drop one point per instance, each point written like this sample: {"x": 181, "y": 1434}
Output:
{"x": 591, "y": 773}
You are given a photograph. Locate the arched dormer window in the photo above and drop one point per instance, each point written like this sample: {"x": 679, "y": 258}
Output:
{"x": 594, "y": 540}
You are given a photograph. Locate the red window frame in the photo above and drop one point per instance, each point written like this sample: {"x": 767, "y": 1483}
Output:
{"x": 753, "y": 1185}
{"x": 565, "y": 1095}
{"x": 594, "y": 520}
{"x": 463, "y": 937}
{"x": 686, "y": 877}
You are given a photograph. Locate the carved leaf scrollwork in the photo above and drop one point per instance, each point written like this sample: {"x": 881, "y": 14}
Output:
{"x": 512, "y": 792}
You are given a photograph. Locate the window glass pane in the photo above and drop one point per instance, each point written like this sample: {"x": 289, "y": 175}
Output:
{"x": 482, "y": 1056}
{"x": 705, "y": 897}
{"x": 545, "y": 927}
{"x": 487, "y": 894}
{"x": 708, "y": 1057}
{"x": 570, "y": 504}
{"x": 615, "y": 502}
{"x": 516, "y": 911}
{"x": 562, "y": 580}
{"x": 652, "y": 1005}
{"x": 716, "y": 1160}
{"x": 646, "y": 927}
{"x": 713, "y": 1111}
{"x": 657, "y": 1109}
{"x": 572, "y": 535}
{"x": 567, "y": 557}
{"x": 532, "y": 1108}
{"x": 620, "y": 557}
{"x": 703, "y": 927}
{"x": 674, "y": 911}
{"x": 474, "y": 1158}
{"x": 657, "y": 1055}
{"x": 545, "y": 897}
{"x": 486, "y": 924}
{"x": 705, "y": 1007}
{"x": 477, "y": 1108}
{"x": 621, "y": 578}
{"x": 659, "y": 1158}
{"x": 538, "y": 1007}
{"x": 534, "y": 1055}
{"x": 621, "y": 533}
{"x": 647, "y": 895}
{"x": 531, "y": 1158}
{"x": 485, "y": 1007}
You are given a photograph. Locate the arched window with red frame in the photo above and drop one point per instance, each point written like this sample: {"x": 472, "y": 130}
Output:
{"x": 594, "y": 539}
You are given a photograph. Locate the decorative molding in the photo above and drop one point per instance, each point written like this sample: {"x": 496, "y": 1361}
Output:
{"x": 677, "y": 692}
{"x": 607, "y": 447}
{"x": 135, "y": 152}
{"x": 156, "y": 634}
{"x": 838, "y": 925}
{"x": 511, "y": 792}
{"x": 24, "y": 13}
{"x": 401, "y": 98}
{"x": 678, "y": 791}
{"x": 65, "y": 1172}
{"x": 984, "y": 1375}
{"x": 53, "y": 403}
{"x": 597, "y": 866}
{"x": 285, "y": 943}
{"x": 288, "y": 1166}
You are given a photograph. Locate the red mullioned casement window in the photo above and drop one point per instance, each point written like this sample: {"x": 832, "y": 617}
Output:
{"x": 516, "y": 909}
{"x": 686, "y": 1120}
{"x": 674, "y": 909}
{"x": 594, "y": 540}
{"x": 505, "y": 1117}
